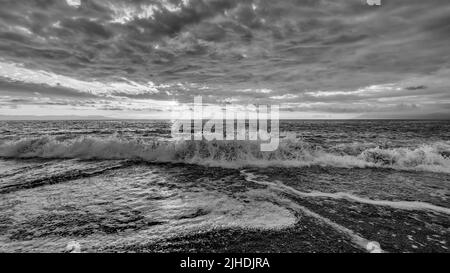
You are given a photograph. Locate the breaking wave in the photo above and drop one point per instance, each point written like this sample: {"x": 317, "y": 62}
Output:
{"x": 230, "y": 154}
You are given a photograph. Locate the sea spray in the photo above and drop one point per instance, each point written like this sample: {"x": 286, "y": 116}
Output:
{"x": 228, "y": 154}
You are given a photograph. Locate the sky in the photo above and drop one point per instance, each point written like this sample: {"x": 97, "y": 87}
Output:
{"x": 316, "y": 59}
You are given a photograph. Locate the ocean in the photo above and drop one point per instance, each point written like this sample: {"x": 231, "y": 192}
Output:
{"x": 126, "y": 186}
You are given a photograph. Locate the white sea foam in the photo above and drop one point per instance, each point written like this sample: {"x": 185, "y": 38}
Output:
{"x": 355, "y": 238}
{"x": 358, "y": 240}
{"x": 229, "y": 154}
{"x": 405, "y": 205}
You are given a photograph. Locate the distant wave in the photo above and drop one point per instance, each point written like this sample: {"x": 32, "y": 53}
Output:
{"x": 229, "y": 154}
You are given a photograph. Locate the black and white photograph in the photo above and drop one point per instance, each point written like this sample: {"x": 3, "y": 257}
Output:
{"x": 224, "y": 126}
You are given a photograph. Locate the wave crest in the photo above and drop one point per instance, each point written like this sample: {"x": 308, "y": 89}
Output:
{"x": 233, "y": 154}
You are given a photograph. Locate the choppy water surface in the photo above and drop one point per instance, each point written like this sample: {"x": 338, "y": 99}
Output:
{"x": 331, "y": 186}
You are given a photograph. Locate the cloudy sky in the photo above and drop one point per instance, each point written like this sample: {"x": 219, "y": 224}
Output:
{"x": 143, "y": 58}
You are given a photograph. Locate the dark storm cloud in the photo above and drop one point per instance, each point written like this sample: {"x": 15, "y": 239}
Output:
{"x": 93, "y": 40}
{"x": 291, "y": 47}
{"x": 420, "y": 87}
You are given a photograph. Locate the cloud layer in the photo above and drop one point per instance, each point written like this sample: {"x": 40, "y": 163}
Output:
{"x": 310, "y": 56}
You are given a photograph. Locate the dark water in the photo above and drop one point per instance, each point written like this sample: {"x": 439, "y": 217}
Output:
{"x": 332, "y": 186}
